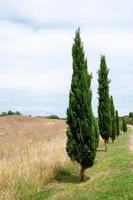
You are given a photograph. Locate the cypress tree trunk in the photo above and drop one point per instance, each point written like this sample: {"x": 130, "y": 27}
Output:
{"x": 81, "y": 174}
{"x": 105, "y": 143}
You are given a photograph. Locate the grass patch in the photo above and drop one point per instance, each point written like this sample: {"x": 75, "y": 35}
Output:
{"x": 23, "y": 190}
{"x": 26, "y": 191}
{"x": 66, "y": 175}
{"x": 111, "y": 178}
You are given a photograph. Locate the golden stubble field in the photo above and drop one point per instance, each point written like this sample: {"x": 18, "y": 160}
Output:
{"x": 32, "y": 149}
{"x": 18, "y": 131}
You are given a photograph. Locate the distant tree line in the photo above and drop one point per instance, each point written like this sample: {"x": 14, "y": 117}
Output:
{"x": 10, "y": 113}
{"x": 18, "y": 113}
{"x": 129, "y": 118}
{"x": 53, "y": 117}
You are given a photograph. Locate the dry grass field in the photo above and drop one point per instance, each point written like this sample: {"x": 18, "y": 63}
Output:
{"x": 17, "y": 131}
{"x": 31, "y": 148}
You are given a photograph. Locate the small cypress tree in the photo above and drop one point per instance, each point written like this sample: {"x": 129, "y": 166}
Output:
{"x": 124, "y": 125}
{"x": 117, "y": 124}
{"x": 81, "y": 145}
{"x": 96, "y": 130}
{"x": 104, "y": 117}
{"x": 113, "y": 121}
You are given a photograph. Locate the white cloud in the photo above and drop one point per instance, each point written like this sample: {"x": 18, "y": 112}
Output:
{"x": 34, "y": 60}
{"x": 40, "y": 59}
{"x": 85, "y": 11}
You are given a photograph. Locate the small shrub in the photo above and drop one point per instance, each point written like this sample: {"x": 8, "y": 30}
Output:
{"x": 53, "y": 117}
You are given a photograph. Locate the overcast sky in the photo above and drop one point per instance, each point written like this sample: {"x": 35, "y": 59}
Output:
{"x": 36, "y": 37}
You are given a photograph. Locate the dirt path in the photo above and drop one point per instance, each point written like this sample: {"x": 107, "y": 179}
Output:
{"x": 131, "y": 140}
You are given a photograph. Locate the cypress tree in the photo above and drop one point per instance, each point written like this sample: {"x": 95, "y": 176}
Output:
{"x": 96, "y": 130}
{"x": 81, "y": 144}
{"x": 113, "y": 121}
{"x": 117, "y": 124}
{"x": 124, "y": 125}
{"x": 131, "y": 114}
{"x": 104, "y": 119}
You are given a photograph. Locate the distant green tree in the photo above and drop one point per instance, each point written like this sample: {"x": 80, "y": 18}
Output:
{"x": 53, "y": 117}
{"x": 17, "y": 113}
{"x": 131, "y": 114}
{"x": 10, "y": 112}
{"x": 113, "y": 121}
{"x": 3, "y": 114}
{"x": 117, "y": 124}
{"x": 81, "y": 137}
{"x": 124, "y": 125}
{"x": 104, "y": 117}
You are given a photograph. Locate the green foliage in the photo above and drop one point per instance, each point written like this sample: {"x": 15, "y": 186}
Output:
{"x": 81, "y": 145}
{"x": 117, "y": 124}
{"x": 53, "y": 117}
{"x": 96, "y": 130}
{"x": 129, "y": 120}
{"x": 3, "y": 114}
{"x": 113, "y": 120}
{"x": 104, "y": 119}
{"x": 17, "y": 113}
{"x": 10, "y": 113}
{"x": 124, "y": 125}
{"x": 131, "y": 114}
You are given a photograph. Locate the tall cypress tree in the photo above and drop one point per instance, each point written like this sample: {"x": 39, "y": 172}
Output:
{"x": 117, "y": 124}
{"x": 81, "y": 143}
{"x": 124, "y": 125}
{"x": 104, "y": 119}
{"x": 113, "y": 121}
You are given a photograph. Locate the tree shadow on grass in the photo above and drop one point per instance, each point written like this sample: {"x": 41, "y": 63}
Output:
{"x": 67, "y": 175}
{"x": 99, "y": 150}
